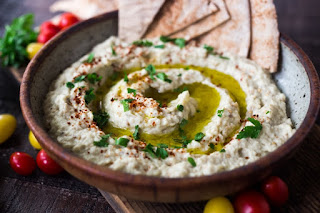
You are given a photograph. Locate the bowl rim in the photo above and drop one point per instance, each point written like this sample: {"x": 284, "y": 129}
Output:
{"x": 118, "y": 177}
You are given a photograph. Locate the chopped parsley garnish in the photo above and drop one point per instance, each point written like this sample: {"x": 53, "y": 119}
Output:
{"x": 160, "y": 103}
{"x": 93, "y": 78}
{"x": 145, "y": 43}
{"x": 180, "y": 107}
{"x": 192, "y": 162}
{"x": 136, "y": 134}
{"x": 180, "y": 90}
{"x": 126, "y": 79}
{"x": 198, "y": 136}
{"x": 211, "y": 145}
{"x": 222, "y": 150}
{"x": 223, "y": 57}
{"x": 160, "y": 151}
{"x": 151, "y": 71}
{"x": 122, "y": 141}
{"x": 89, "y": 96}
{"x": 220, "y": 112}
{"x": 90, "y": 58}
{"x": 132, "y": 91}
{"x": 163, "y": 77}
{"x": 125, "y": 103}
{"x": 186, "y": 68}
{"x": 161, "y": 46}
{"x": 208, "y": 48}
{"x": 103, "y": 141}
{"x": 113, "y": 51}
{"x": 15, "y": 39}
{"x": 183, "y": 123}
{"x": 267, "y": 112}
{"x": 70, "y": 85}
{"x": 101, "y": 118}
{"x": 250, "y": 131}
{"x": 180, "y": 74}
{"x": 79, "y": 78}
{"x": 181, "y": 42}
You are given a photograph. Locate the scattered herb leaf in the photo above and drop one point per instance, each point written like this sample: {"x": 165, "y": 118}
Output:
{"x": 199, "y": 136}
{"x": 186, "y": 68}
{"x": 70, "y": 85}
{"x": 149, "y": 150}
{"x": 93, "y": 78}
{"x": 192, "y": 162}
{"x": 113, "y": 51}
{"x": 125, "y": 103}
{"x": 151, "y": 71}
{"x": 180, "y": 74}
{"x": 250, "y": 131}
{"x": 79, "y": 78}
{"x": 89, "y": 96}
{"x": 220, "y": 112}
{"x": 180, "y": 107}
{"x": 101, "y": 118}
{"x": 90, "y": 58}
{"x": 211, "y": 145}
{"x": 181, "y": 42}
{"x": 132, "y": 91}
{"x": 209, "y": 49}
{"x": 163, "y": 77}
{"x": 223, "y": 57}
{"x": 268, "y": 112}
{"x": 222, "y": 150}
{"x": 145, "y": 43}
{"x": 160, "y": 103}
{"x": 103, "y": 141}
{"x": 161, "y": 46}
{"x": 126, "y": 79}
{"x": 136, "y": 134}
{"x": 122, "y": 141}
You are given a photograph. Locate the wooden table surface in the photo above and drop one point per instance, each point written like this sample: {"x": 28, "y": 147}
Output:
{"x": 298, "y": 19}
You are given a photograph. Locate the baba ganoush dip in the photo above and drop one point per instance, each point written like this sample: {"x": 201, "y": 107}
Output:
{"x": 161, "y": 108}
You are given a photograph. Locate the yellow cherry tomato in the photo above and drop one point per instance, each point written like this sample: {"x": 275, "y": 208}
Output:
{"x": 33, "y": 141}
{"x": 218, "y": 205}
{"x": 8, "y": 124}
{"x": 32, "y": 49}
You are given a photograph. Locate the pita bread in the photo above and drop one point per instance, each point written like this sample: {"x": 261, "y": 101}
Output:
{"x": 135, "y": 16}
{"x": 178, "y": 14}
{"x": 265, "y": 34}
{"x": 205, "y": 24}
{"x": 84, "y": 9}
{"x": 234, "y": 35}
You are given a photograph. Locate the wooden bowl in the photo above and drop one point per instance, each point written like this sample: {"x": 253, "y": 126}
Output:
{"x": 297, "y": 78}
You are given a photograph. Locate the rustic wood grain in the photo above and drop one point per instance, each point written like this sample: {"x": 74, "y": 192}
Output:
{"x": 41, "y": 193}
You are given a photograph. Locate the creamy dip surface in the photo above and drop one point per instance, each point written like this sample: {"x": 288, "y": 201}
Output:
{"x": 155, "y": 108}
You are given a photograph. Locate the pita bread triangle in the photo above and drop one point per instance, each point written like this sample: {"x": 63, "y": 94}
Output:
{"x": 233, "y": 36}
{"x": 265, "y": 34}
{"x": 178, "y": 14}
{"x": 135, "y": 16}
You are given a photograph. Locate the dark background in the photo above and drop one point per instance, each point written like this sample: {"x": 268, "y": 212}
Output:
{"x": 299, "y": 19}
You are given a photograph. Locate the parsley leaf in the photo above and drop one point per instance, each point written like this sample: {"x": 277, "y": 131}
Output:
{"x": 199, "y": 136}
{"x": 181, "y": 42}
{"x": 122, "y": 142}
{"x": 136, "y": 134}
{"x": 161, "y": 46}
{"x": 89, "y": 96}
{"x": 113, "y": 51}
{"x": 223, "y": 57}
{"x": 180, "y": 107}
{"x": 192, "y": 162}
{"x": 79, "y": 78}
{"x": 209, "y": 49}
{"x": 145, "y": 43}
{"x": 163, "y": 77}
{"x": 166, "y": 39}
{"x": 101, "y": 118}
{"x": 180, "y": 74}
{"x": 126, "y": 79}
{"x": 70, "y": 85}
{"x": 103, "y": 141}
{"x": 90, "y": 58}
{"x": 132, "y": 91}
{"x": 162, "y": 153}
{"x": 267, "y": 112}
{"x": 125, "y": 103}
{"x": 220, "y": 112}
{"x": 151, "y": 71}
{"x": 93, "y": 78}
{"x": 222, "y": 150}
{"x": 160, "y": 103}
{"x": 250, "y": 131}
{"x": 211, "y": 145}
{"x": 149, "y": 149}
{"x": 16, "y": 38}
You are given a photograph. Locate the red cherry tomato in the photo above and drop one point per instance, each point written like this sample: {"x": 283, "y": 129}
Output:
{"x": 22, "y": 163}
{"x": 67, "y": 20}
{"x": 251, "y": 202}
{"x": 49, "y": 26}
{"x": 44, "y": 37}
{"x": 47, "y": 165}
{"x": 276, "y": 190}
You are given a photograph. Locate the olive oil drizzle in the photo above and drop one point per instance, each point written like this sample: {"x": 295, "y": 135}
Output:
{"x": 207, "y": 107}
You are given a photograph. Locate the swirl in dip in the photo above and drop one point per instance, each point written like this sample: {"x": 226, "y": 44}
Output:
{"x": 160, "y": 109}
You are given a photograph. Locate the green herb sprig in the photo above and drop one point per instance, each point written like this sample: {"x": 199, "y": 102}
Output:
{"x": 101, "y": 118}
{"x": 250, "y": 131}
{"x": 103, "y": 141}
{"x": 125, "y": 103}
{"x": 181, "y": 42}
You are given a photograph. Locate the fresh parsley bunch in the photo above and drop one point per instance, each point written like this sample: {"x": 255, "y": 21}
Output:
{"x": 15, "y": 40}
